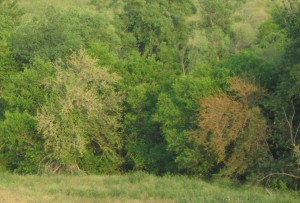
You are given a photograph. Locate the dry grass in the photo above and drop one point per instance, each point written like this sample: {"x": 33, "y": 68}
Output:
{"x": 10, "y": 196}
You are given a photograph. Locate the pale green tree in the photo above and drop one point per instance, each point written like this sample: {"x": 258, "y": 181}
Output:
{"x": 82, "y": 113}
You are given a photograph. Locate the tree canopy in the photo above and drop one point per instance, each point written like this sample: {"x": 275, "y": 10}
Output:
{"x": 194, "y": 87}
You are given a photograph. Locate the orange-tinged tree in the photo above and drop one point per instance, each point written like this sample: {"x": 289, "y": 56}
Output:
{"x": 233, "y": 128}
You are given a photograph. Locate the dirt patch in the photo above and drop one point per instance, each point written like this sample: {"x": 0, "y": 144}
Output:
{"x": 7, "y": 196}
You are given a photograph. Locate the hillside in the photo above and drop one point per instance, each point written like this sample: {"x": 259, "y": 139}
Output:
{"x": 192, "y": 88}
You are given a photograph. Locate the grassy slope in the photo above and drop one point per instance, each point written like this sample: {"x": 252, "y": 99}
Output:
{"x": 137, "y": 187}
{"x": 36, "y": 7}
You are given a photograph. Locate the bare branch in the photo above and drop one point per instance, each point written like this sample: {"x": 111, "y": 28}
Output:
{"x": 294, "y": 112}
{"x": 296, "y": 133}
{"x": 283, "y": 174}
{"x": 289, "y": 124}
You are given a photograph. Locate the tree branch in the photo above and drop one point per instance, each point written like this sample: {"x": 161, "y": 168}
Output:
{"x": 289, "y": 124}
{"x": 296, "y": 133}
{"x": 284, "y": 174}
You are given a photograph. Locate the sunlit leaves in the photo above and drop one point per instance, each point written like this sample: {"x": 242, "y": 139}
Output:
{"x": 83, "y": 109}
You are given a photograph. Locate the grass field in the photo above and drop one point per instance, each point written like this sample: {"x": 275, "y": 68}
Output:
{"x": 136, "y": 187}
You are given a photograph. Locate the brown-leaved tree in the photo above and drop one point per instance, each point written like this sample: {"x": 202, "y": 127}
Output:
{"x": 233, "y": 128}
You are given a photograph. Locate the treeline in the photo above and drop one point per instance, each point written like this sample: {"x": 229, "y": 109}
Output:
{"x": 164, "y": 86}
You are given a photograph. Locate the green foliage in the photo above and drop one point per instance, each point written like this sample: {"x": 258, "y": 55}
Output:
{"x": 82, "y": 111}
{"x": 21, "y": 146}
{"x": 244, "y": 35}
{"x": 219, "y": 43}
{"x": 10, "y": 16}
{"x": 24, "y": 90}
{"x": 56, "y": 35}
{"x": 177, "y": 112}
{"x": 156, "y": 25}
{"x": 219, "y": 13}
{"x": 172, "y": 55}
{"x": 278, "y": 44}
{"x": 114, "y": 6}
{"x": 143, "y": 80}
{"x": 250, "y": 64}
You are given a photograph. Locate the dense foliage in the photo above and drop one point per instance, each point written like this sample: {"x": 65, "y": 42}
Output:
{"x": 166, "y": 86}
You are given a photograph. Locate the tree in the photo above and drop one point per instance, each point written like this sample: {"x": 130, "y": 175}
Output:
{"x": 278, "y": 48}
{"x": 81, "y": 116}
{"x": 21, "y": 147}
{"x": 219, "y": 12}
{"x": 143, "y": 80}
{"x": 219, "y": 43}
{"x": 56, "y": 35}
{"x": 177, "y": 112}
{"x": 244, "y": 35}
{"x": 10, "y": 16}
{"x": 154, "y": 26}
{"x": 23, "y": 93}
{"x": 234, "y": 130}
